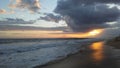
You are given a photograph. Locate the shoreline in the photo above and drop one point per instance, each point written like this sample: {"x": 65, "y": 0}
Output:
{"x": 65, "y": 62}
{"x": 57, "y": 60}
{"x": 65, "y": 57}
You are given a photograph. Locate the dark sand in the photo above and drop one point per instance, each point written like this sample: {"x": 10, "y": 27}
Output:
{"x": 97, "y": 55}
{"x": 114, "y": 43}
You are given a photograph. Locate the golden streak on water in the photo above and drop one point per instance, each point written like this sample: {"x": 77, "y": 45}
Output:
{"x": 97, "y": 55}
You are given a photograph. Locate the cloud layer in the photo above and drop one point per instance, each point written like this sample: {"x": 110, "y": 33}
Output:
{"x": 88, "y": 2}
{"x": 85, "y": 15}
{"x": 10, "y": 21}
{"x": 51, "y": 17}
{"x": 2, "y": 11}
{"x": 18, "y": 27}
{"x": 31, "y": 5}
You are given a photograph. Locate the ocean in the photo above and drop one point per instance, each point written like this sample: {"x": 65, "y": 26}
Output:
{"x": 28, "y": 53}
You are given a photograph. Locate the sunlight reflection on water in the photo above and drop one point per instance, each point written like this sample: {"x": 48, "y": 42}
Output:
{"x": 97, "y": 55}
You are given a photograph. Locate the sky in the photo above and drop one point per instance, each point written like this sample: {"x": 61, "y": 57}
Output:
{"x": 59, "y": 18}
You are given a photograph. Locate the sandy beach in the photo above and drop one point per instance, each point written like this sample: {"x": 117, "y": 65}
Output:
{"x": 96, "y": 55}
{"x": 60, "y": 34}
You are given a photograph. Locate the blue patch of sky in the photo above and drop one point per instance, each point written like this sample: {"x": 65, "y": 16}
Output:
{"x": 4, "y": 4}
{"x": 47, "y": 6}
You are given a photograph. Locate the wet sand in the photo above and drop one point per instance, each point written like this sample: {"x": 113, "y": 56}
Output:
{"x": 96, "y": 55}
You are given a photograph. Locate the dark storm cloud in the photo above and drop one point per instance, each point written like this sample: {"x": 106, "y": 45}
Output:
{"x": 51, "y": 17}
{"x": 88, "y": 2}
{"x": 85, "y": 15}
{"x": 9, "y": 21}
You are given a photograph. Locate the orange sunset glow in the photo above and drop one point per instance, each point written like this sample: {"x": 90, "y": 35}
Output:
{"x": 95, "y": 32}
{"x": 47, "y": 34}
